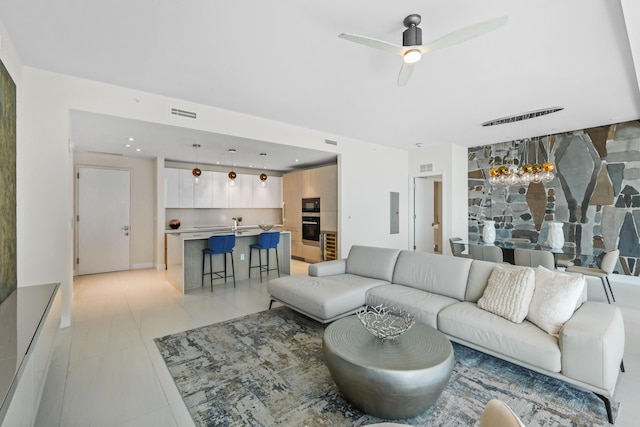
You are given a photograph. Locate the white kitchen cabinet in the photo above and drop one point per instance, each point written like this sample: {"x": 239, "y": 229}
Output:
{"x": 268, "y": 196}
{"x": 220, "y": 190}
{"x": 203, "y": 190}
{"x": 171, "y": 188}
{"x": 187, "y": 191}
{"x": 241, "y": 194}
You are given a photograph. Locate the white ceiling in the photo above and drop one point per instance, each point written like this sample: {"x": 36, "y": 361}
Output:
{"x": 283, "y": 61}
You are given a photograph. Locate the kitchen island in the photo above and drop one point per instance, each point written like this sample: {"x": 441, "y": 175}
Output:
{"x": 184, "y": 255}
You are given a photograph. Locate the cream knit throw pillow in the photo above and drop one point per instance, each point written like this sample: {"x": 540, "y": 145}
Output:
{"x": 509, "y": 292}
{"x": 554, "y": 299}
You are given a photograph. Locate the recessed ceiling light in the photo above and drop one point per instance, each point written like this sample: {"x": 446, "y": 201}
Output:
{"x": 131, "y": 139}
{"x": 297, "y": 160}
{"x": 138, "y": 149}
{"x": 127, "y": 145}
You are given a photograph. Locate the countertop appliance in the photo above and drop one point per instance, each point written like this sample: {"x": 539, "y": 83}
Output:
{"x": 311, "y": 205}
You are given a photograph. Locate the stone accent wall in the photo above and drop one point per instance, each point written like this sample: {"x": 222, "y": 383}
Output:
{"x": 595, "y": 193}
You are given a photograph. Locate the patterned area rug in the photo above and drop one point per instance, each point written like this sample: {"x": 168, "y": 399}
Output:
{"x": 267, "y": 369}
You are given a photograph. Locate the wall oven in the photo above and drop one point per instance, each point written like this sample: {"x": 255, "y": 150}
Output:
{"x": 311, "y": 230}
{"x": 311, "y": 205}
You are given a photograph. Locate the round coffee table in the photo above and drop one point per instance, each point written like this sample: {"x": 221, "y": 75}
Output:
{"x": 389, "y": 379}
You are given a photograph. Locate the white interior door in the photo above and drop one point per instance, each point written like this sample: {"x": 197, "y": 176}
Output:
{"x": 103, "y": 220}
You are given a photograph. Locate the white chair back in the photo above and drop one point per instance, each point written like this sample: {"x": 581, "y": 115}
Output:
{"x": 534, "y": 258}
{"x": 486, "y": 253}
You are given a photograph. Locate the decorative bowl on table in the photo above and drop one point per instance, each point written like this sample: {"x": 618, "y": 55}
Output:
{"x": 174, "y": 224}
{"x": 265, "y": 227}
{"x": 385, "y": 323}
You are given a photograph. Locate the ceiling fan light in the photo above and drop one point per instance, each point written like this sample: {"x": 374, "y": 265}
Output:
{"x": 412, "y": 56}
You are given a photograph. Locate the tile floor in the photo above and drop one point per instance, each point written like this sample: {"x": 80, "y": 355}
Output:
{"x": 106, "y": 370}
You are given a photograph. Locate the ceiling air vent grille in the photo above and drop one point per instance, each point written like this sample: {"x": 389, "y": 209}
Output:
{"x": 330, "y": 142}
{"x": 183, "y": 113}
{"x": 426, "y": 168}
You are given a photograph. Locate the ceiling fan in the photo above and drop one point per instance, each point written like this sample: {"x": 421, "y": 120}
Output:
{"x": 412, "y": 48}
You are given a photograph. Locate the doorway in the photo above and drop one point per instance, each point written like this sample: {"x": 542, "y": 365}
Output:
{"x": 428, "y": 219}
{"x": 103, "y": 218}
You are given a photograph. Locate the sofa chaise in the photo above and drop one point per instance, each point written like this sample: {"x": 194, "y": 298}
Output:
{"x": 455, "y": 296}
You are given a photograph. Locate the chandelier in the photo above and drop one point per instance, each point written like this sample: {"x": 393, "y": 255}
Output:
{"x": 510, "y": 173}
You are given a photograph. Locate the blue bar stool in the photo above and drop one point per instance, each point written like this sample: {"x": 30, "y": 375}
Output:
{"x": 219, "y": 245}
{"x": 266, "y": 241}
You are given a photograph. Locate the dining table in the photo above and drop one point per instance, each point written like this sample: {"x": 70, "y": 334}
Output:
{"x": 508, "y": 248}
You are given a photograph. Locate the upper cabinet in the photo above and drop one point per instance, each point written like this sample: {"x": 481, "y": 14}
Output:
{"x": 214, "y": 190}
{"x": 187, "y": 190}
{"x": 241, "y": 192}
{"x": 172, "y": 188}
{"x": 267, "y": 194}
{"x": 203, "y": 190}
{"x": 220, "y": 190}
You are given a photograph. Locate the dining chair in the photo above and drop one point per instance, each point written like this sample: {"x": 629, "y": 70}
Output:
{"x": 607, "y": 265}
{"x": 566, "y": 260}
{"x": 486, "y": 253}
{"x": 499, "y": 414}
{"x": 534, "y": 258}
{"x": 458, "y": 248}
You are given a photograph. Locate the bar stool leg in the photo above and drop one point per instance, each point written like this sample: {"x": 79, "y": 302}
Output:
{"x": 250, "y": 253}
{"x": 277, "y": 262}
{"x": 260, "y": 261}
{"x": 233, "y": 269}
{"x": 225, "y": 267}
{"x": 268, "y": 262}
{"x": 203, "y": 258}
{"x": 211, "y": 270}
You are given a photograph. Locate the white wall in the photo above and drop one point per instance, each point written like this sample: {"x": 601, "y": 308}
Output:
{"x": 45, "y": 168}
{"x": 450, "y": 161}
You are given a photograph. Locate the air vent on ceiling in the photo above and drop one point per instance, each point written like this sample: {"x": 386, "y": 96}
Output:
{"x": 183, "y": 113}
{"x": 105, "y": 152}
{"x": 330, "y": 142}
{"x": 426, "y": 168}
{"x": 524, "y": 116}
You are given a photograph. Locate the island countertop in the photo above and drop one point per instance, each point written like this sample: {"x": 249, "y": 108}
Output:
{"x": 220, "y": 229}
{"x": 184, "y": 255}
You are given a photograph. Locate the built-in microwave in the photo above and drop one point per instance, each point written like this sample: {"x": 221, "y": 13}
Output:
{"x": 311, "y": 205}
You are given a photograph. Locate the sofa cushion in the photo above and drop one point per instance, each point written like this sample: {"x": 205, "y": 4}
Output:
{"x": 367, "y": 261}
{"x": 443, "y": 275}
{"x": 521, "y": 341}
{"x": 478, "y": 276}
{"x": 423, "y": 305}
{"x": 554, "y": 299}
{"x": 322, "y": 298}
{"x": 508, "y": 293}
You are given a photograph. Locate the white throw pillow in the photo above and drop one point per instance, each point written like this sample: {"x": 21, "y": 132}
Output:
{"x": 509, "y": 292}
{"x": 555, "y": 299}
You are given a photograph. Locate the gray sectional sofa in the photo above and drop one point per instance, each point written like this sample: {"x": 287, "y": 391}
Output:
{"x": 443, "y": 291}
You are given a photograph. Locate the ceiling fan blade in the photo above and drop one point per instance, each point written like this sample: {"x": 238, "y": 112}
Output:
{"x": 464, "y": 34}
{"x": 405, "y": 73}
{"x": 374, "y": 43}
